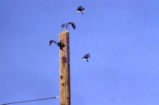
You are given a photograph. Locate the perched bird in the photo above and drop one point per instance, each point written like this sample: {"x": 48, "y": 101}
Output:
{"x": 80, "y": 9}
{"x": 72, "y": 24}
{"x": 69, "y": 23}
{"x": 86, "y": 56}
{"x": 59, "y": 44}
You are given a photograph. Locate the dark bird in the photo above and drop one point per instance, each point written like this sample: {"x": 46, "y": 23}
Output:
{"x": 52, "y": 41}
{"x": 72, "y": 24}
{"x": 59, "y": 44}
{"x": 86, "y": 56}
{"x": 80, "y": 9}
{"x": 69, "y": 23}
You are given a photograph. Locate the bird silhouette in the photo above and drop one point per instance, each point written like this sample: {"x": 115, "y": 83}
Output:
{"x": 59, "y": 44}
{"x": 69, "y": 23}
{"x": 80, "y": 9}
{"x": 52, "y": 41}
{"x": 85, "y": 57}
{"x": 72, "y": 24}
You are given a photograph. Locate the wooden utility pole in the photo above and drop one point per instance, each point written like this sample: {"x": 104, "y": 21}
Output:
{"x": 64, "y": 69}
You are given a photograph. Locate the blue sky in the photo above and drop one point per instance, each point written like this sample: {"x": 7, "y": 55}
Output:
{"x": 121, "y": 36}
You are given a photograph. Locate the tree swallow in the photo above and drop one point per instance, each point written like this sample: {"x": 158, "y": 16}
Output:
{"x": 85, "y": 57}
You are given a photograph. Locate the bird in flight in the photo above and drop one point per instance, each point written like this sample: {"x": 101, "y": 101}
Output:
{"x": 72, "y": 24}
{"x": 80, "y": 9}
{"x": 69, "y": 23}
{"x": 85, "y": 57}
{"x": 52, "y": 41}
{"x": 59, "y": 44}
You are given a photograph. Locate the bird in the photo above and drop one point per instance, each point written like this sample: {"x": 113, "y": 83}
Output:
{"x": 69, "y": 23}
{"x": 72, "y": 24}
{"x": 85, "y": 57}
{"x": 80, "y": 9}
{"x": 59, "y": 44}
{"x": 52, "y": 41}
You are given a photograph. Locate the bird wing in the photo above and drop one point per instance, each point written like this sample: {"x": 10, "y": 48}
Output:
{"x": 52, "y": 41}
{"x": 72, "y": 24}
{"x": 82, "y": 9}
{"x": 79, "y": 7}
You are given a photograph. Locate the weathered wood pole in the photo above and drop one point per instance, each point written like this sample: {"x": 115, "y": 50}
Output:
{"x": 64, "y": 69}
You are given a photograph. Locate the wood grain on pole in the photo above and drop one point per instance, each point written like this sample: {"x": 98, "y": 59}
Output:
{"x": 64, "y": 69}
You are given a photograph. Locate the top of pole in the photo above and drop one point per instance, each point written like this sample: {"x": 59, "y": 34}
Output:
{"x": 64, "y": 32}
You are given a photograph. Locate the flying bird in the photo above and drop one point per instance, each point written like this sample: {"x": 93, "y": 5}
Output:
{"x": 59, "y": 44}
{"x": 80, "y": 9}
{"x": 69, "y": 23}
{"x": 52, "y": 41}
{"x": 86, "y": 56}
{"x": 72, "y": 24}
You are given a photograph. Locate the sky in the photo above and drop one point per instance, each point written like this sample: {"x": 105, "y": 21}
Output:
{"x": 121, "y": 36}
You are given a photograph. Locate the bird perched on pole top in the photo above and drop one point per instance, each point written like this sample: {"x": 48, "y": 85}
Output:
{"x": 80, "y": 9}
{"x": 85, "y": 57}
{"x": 69, "y": 23}
{"x": 59, "y": 44}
